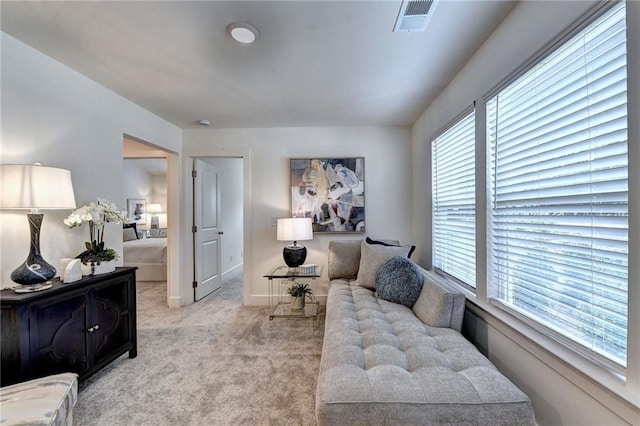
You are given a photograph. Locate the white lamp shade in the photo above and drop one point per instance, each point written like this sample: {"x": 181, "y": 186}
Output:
{"x": 295, "y": 229}
{"x": 35, "y": 187}
{"x": 154, "y": 208}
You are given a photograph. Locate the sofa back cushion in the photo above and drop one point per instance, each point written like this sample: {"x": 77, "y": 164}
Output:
{"x": 344, "y": 259}
{"x": 438, "y": 304}
{"x": 372, "y": 256}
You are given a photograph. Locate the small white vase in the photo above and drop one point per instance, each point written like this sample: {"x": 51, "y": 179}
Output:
{"x": 93, "y": 268}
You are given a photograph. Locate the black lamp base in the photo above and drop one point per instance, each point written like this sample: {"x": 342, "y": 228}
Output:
{"x": 35, "y": 271}
{"x": 294, "y": 255}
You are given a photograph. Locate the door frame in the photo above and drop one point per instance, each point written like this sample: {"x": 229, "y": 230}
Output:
{"x": 187, "y": 206}
{"x": 174, "y": 218}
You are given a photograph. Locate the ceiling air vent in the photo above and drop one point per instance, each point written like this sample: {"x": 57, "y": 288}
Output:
{"x": 414, "y": 15}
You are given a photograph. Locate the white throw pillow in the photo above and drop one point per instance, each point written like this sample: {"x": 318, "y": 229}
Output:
{"x": 129, "y": 234}
{"x": 372, "y": 256}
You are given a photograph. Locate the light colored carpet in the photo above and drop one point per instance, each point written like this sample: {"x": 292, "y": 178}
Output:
{"x": 215, "y": 362}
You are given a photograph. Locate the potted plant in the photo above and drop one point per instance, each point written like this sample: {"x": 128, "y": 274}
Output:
{"x": 97, "y": 259}
{"x": 299, "y": 292}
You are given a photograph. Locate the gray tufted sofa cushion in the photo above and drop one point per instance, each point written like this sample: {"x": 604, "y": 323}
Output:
{"x": 381, "y": 365}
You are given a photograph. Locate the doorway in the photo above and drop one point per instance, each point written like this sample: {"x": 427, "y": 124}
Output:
{"x": 146, "y": 178}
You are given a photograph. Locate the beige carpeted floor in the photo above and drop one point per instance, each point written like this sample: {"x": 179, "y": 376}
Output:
{"x": 215, "y": 362}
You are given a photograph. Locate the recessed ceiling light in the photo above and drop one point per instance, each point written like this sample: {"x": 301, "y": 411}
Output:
{"x": 242, "y": 33}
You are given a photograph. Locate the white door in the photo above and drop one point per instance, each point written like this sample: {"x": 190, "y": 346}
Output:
{"x": 206, "y": 229}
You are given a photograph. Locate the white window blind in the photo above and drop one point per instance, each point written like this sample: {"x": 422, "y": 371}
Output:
{"x": 454, "y": 201}
{"x": 558, "y": 206}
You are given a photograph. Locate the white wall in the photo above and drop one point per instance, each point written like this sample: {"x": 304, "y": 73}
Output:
{"x": 231, "y": 211}
{"x": 54, "y": 115}
{"x": 561, "y": 393}
{"x": 387, "y": 186}
{"x": 140, "y": 183}
{"x": 137, "y": 182}
{"x": 159, "y": 191}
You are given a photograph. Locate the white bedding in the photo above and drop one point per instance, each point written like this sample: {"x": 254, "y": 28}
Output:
{"x": 146, "y": 250}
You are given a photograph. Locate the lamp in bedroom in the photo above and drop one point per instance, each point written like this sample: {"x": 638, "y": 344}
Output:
{"x": 294, "y": 229}
{"x": 35, "y": 188}
{"x": 153, "y": 210}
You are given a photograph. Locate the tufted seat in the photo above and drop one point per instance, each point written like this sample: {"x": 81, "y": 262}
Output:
{"x": 382, "y": 365}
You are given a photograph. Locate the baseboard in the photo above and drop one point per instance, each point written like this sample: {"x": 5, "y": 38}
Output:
{"x": 232, "y": 269}
{"x": 174, "y": 302}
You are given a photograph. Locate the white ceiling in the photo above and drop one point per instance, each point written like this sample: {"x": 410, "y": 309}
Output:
{"x": 316, "y": 63}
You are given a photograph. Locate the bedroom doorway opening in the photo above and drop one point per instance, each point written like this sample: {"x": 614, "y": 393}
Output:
{"x": 147, "y": 199}
{"x": 228, "y": 257}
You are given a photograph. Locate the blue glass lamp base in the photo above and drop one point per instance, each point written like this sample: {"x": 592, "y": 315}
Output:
{"x": 35, "y": 271}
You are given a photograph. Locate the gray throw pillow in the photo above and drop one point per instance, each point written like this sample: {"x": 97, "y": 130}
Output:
{"x": 344, "y": 259}
{"x": 399, "y": 281}
{"x": 372, "y": 256}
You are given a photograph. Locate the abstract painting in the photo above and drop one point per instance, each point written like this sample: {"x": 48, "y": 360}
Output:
{"x": 330, "y": 192}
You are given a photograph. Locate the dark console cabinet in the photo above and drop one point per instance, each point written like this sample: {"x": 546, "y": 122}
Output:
{"x": 78, "y": 327}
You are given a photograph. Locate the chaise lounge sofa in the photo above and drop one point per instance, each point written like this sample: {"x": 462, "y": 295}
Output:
{"x": 385, "y": 363}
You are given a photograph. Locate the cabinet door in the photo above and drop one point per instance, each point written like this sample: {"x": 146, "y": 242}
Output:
{"x": 58, "y": 338}
{"x": 110, "y": 315}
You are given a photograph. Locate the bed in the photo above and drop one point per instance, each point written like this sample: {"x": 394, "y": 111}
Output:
{"x": 149, "y": 255}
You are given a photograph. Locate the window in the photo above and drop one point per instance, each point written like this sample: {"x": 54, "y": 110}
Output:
{"x": 454, "y": 201}
{"x": 558, "y": 211}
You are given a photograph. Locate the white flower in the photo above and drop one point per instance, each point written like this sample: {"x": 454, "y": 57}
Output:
{"x": 96, "y": 215}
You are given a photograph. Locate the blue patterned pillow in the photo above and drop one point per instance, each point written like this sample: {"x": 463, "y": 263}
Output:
{"x": 398, "y": 280}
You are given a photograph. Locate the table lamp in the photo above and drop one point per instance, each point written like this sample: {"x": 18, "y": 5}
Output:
{"x": 154, "y": 209}
{"x": 35, "y": 187}
{"x": 294, "y": 229}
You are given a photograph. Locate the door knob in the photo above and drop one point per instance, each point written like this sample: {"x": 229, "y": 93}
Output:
{"x": 220, "y": 232}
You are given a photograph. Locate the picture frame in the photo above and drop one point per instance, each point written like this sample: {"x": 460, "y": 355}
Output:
{"x": 330, "y": 191}
{"x": 137, "y": 210}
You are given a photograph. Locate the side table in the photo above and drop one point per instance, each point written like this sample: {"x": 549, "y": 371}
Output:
{"x": 287, "y": 275}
